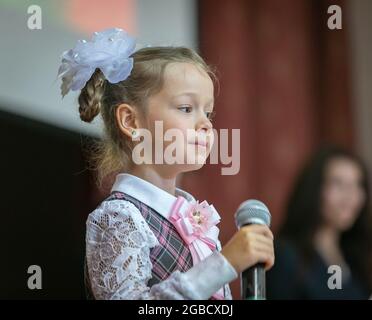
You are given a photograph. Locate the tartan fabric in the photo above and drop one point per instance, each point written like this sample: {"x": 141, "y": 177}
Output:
{"x": 172, "y": 254}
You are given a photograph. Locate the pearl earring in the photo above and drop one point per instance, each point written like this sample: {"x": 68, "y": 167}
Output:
{"x": 134, "y": 134}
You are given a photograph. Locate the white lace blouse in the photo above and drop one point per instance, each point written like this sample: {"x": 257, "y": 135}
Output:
{"x": 118, "y": 243}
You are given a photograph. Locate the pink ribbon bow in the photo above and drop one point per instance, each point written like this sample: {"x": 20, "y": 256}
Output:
{"x": 197, "y": 227}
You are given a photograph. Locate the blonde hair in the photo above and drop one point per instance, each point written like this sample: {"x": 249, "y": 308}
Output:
{"x": 113, "y": 153}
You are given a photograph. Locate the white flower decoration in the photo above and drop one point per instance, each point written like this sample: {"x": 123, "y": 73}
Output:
{"x": 109, "y": 50}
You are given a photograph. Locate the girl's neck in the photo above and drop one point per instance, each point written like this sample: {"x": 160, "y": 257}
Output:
{"x": 156, "y": 177}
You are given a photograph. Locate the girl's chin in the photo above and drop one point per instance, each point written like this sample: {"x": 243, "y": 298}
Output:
{"x": 192, "y": 167}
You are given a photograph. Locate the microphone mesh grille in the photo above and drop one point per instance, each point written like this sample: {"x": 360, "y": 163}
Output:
{"x": 252, "y": 211}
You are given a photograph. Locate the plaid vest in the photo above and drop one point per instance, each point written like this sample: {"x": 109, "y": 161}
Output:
{"x": 172, "y": 254}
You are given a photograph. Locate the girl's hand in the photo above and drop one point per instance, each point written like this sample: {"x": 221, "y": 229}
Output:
{"x": 250, "y": 245}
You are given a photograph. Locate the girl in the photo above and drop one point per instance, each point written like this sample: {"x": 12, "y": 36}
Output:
{"x": 329, "y": 223}
{"x": 149, "y": 239}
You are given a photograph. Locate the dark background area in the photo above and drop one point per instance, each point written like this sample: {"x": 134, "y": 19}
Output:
{"x": 45, "y": 200}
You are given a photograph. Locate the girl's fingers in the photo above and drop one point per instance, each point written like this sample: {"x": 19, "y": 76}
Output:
{"x": 263, "y": 248}
{"x": 267, "y": 259}
{"x": 260, "y": 229}
{"x": 262, "y": 239}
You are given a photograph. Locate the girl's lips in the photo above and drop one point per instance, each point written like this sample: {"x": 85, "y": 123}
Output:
{"x": 199, "y": 143}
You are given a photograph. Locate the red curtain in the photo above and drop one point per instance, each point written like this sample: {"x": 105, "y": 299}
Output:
{"x": 284, "y": 82}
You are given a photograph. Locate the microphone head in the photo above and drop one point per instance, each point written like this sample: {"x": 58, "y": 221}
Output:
{"x": 252, "y": 212}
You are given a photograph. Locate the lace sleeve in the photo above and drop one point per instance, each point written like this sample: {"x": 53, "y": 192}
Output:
{"x": 118, "y": 244}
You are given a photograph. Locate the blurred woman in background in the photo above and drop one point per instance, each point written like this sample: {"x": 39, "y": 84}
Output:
{"x": 328, "y": 223}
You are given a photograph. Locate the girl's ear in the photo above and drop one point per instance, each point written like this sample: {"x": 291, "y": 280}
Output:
{"x": 127, "y": 119}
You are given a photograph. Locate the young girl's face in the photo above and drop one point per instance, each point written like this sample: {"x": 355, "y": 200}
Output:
{"x": 184, "y": 103}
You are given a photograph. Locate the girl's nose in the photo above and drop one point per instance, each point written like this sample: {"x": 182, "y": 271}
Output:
{"x": 204, "y": 124}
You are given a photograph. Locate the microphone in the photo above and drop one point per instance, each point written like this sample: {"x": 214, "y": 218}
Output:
{"x": 253, "y": 280}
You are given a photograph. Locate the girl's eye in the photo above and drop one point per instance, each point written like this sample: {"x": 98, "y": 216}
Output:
{"x": 185, "y": 108}
{"x": 210, "y": 115}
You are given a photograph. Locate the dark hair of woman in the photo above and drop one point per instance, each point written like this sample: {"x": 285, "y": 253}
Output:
{"x": 304, "y": 216}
